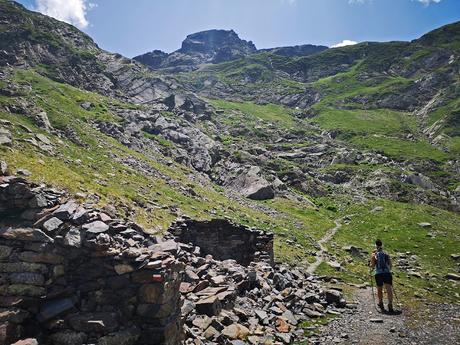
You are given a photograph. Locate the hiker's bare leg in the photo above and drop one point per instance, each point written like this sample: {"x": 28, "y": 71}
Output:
{"x": 380, "y": 294}
{"x": 389, "y": 289}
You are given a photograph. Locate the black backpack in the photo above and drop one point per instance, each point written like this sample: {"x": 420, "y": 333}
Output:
{"x": 382, "y": 261}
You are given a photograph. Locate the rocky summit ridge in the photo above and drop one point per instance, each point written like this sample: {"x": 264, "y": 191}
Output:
{"x": 222, "y": 161}
{"x": 211, "y": 47}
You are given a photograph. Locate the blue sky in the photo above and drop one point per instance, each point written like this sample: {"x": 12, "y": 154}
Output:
{"x": 137, "y": 26}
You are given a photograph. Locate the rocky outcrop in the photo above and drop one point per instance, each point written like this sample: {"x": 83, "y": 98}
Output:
{"x": 292, "y": 51}
{"x": 225, "y": 240}
{"x": 211, "y": 46}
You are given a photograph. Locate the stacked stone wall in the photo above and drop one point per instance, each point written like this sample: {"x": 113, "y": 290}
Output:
{"x": 225, "y": 240}
{"x": 74, "y": 275}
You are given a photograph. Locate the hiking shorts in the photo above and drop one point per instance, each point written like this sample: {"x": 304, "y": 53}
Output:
{"x": 383, "y": 278}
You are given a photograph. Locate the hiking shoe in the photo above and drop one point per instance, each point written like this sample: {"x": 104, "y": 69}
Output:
{"x": 381, "y": 306}
{"x": 390, "y": 308}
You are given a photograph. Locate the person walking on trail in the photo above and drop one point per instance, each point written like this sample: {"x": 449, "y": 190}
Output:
{"x": 381, "y": 263}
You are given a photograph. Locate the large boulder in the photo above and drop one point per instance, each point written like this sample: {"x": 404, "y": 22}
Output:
{"x": 253, "y": 186}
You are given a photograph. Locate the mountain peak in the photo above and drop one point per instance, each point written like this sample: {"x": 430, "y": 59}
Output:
{"x": 211, "y": 41}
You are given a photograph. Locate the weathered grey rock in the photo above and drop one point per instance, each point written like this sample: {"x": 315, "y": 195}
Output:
{"x": 5, "y": 251}
{"x": 453, "y": 276}
{"x": 27, "y": 278}
{"x": 5, "y": 137}
{"x": 28, "y": 341}
{"x": 424, "y": 225}
{"x": 65, "y": 211}
{"x": 73, "y": 238}
{"x": 209, "y": 306}
{"x": 253, "y": 186}
{"x": 3, "y": 168}
{"x": 38, "y": 201}
{"x": 52, "y": 224}
{"x": 332, "y": 296}
{"x": 25, "y": 234}
{"x": 96, "y": 227}
{"x": 55, "y": 308}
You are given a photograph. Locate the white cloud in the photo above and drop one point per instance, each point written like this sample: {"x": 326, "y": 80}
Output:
{"x": 69, "y": 11}
{"x": 427, "y": 2}
{"x": 424, "y": 2}
{"x": 344, "y": 43}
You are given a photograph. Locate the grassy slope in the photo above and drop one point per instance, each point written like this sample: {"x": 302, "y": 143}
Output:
{"x": 97, "y": 169}
{"x": 397, "y": 226}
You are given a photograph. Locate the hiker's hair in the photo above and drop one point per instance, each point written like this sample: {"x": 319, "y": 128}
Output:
{"x": 378, "y": 243}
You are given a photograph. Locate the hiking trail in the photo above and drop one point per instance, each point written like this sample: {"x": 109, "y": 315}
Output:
{"x": 362, "y": 324}
{"x": 321, "y": 255}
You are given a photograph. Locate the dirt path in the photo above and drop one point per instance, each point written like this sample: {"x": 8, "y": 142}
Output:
{"x": 321, "y": 255}
{"x": 431, "y": 324}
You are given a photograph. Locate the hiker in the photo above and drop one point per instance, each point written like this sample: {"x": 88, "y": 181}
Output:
{"x": 381, "y": 262}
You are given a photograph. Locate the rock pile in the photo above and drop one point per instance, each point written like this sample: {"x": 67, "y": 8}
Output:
{"x": 73, "y": 275}
{"x": 225, "y": 302}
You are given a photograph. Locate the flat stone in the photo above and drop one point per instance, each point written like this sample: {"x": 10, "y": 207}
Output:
{"x": 52, "y": 224}
{"x": 376, "y": 320}
{"x": 453, "y": 276}
{"x": 73, "y": 238}
{"x": 5, "y": 137}
{"x": 51, "y": 309}
{"x": 209, "y": 306}
{"x": 25, "y": 290}
{"x": 38, "y": 201}
{"x": 28, "y": 341}
{"x": 211, "y": 333}
{"x": 235, "y": 331}
{"x": 123, "y": 268}
{"x": 27, "y": 278}
{"x": 42, "y": 257}
{"x": 43, "y": 138}
{"x": 202, "y": 322}
{"x": 5, "y": 251}
{"x": 96, "y": 227}
{"x": 65, "y": 211}
{"x": 286, "y": 338}
{"x": 12, "y": 267}
{"x": 25, "y": 234}
{"x": 424, "y": 225}
{"x": 167, "y": 246}
{"x": 332, "y": 296}
{"x": 261, "y": 314}
{"x": 312, "y": 313}
{"x": 281, "y": 325}
{"x": 3, "y": 168}
{"x": 289, "y": 316}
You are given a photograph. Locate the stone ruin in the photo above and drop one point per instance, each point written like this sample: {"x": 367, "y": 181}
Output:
{"x": 72, "y": 274}
{"x": 224, "y": 240}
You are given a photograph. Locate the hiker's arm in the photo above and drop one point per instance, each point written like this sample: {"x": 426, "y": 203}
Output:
{"x": 372, "y": 261}
{"x": 390, "y": 263}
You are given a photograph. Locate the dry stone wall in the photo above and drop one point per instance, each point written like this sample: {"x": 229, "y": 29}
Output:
{"x": 74, "y": 275}
{"x": 225, "y": 240}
